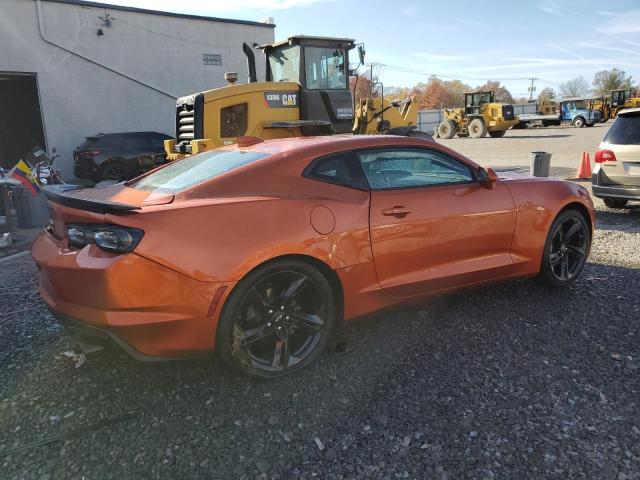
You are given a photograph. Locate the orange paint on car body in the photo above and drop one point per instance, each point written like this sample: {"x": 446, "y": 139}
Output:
{"x": 204, "y": 239}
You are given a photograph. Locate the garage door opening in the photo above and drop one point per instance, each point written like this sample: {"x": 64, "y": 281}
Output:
{"x": 21, "y": 126}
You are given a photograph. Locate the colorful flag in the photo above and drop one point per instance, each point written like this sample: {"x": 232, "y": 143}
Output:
{"x": 22, "y": 173}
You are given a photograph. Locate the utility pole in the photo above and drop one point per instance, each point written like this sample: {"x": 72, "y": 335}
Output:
{"x": 532, "y": 88}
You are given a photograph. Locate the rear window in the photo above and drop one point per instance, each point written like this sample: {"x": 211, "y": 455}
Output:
{"x": 186, "y": 173}
{"x": 625, "y": 130}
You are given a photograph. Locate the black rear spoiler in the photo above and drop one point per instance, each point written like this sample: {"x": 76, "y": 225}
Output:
{"x": 56, "y": 194}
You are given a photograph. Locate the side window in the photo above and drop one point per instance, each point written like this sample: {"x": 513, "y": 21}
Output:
{"x": 412, "y": 167}
{"x": 340, "y": 168}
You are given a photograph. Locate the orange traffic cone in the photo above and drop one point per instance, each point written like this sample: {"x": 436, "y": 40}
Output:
{"x": 584, "y": 170}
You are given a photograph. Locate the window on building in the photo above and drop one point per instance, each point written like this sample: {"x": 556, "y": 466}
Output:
{"x": 211, "y": 59}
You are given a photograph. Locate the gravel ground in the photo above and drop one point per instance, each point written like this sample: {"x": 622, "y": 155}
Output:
{"x": 511, "y": 381}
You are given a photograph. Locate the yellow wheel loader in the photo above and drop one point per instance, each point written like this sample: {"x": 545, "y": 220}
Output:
{"x": 616, "y": 101}
{"x": 480, "y": 115}
{"x": 305, "y": 92}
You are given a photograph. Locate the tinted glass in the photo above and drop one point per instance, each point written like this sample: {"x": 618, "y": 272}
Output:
{"x": 186, "y": 173}
{"x": 285, "y": 64}
{"x": 408, "y": 167}
{"x": 324, "y": 68}
{"x": 342, "y": 169}
{"x": 625, "y": 130}
{"x": 135, "y": 141}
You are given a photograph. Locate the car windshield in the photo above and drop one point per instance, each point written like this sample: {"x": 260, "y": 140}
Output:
{"x": 186, "y": 173}
{"x": 625, "y": 130}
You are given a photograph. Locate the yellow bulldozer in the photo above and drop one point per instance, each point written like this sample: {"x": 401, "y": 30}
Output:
{"x": 480, "y": 115}
{"x": 617, "y": 100}
{"x": 305, "y": 92}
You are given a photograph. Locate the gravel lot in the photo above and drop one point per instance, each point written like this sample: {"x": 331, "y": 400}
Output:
{"x": 566, "y": 145}
{"x": 511, "y": 381}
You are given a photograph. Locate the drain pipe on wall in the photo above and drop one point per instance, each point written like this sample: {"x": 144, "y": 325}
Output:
{"x": 50, "y": 42}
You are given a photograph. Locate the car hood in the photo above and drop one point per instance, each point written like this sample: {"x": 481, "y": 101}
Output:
{"x": 112, "y": 199}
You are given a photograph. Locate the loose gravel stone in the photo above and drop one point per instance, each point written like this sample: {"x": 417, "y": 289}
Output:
{"x": 510, "y": 381}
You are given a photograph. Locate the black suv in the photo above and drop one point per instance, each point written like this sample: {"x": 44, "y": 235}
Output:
{"x": 118, "y": 156}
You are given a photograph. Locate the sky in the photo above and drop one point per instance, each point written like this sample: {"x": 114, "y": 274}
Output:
{"x": 473, "y": 41}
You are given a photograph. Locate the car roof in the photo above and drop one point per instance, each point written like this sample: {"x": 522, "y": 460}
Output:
{"x": 331, "y": 142}
{"x": 628, "y": 111}
{"x": 99, "y": 135}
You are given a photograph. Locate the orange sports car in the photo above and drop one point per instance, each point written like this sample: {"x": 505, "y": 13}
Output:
{"x": 259, "y": 250}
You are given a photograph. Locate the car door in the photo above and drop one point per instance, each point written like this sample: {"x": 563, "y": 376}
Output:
{"x": 433, "y": 225}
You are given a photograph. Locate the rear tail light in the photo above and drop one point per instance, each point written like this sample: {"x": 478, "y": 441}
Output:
{"x": 88, "y": 153}
{"x": 605, "y": 156}
{"x": 112, "y": 238}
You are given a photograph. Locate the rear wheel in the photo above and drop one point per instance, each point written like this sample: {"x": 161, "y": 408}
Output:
{"x": 497, "y": 133}
{"x": 446, "y": 129}
{"x": 615, "y": 202}
{"x": 579, "y": 122}
{"x": 477, "y": 128}
{"x": 566, "y": 249}
{"x": 277, "y": 320}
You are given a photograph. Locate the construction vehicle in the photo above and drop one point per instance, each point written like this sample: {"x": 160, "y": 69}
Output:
{"x": 305, "y": 92}
{"x": 616, "y": 101}
{"x": 480, "y": 115}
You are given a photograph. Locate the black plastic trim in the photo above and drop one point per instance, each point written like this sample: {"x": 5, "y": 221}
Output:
{"x": 56, "y": 195}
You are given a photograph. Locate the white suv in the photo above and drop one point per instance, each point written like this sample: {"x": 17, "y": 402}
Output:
{"x": 616, "y": 178}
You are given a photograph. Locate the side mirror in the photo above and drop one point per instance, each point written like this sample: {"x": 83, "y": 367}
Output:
{"x": 487, "y": 177}
{"x": 361, "y": 53}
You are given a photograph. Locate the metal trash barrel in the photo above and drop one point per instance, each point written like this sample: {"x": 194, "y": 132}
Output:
{"x": 540, "y": 164}
{"x": 32, "y": 209}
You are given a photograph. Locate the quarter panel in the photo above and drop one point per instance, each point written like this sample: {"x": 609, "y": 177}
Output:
{"x": 225, "y": 238}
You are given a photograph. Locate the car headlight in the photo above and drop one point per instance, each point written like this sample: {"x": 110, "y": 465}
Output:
{"x": 112, "y": 238}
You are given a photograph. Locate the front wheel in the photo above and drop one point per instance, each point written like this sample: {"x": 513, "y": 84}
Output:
{"x": 277, "y": 320}
{"x": 579, "y": 122}
{"x": 566, "y": 249}
{"x": 446, "y": 129}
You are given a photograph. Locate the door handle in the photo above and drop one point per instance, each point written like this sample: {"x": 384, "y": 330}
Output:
{"x": 397, "y": 211}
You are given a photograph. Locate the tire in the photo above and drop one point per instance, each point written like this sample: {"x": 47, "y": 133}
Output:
{"x": 579, "y": 122}
{"x": 114, "y": 171}
{"x": 589, "y": 125}
{"x": 477, "y": 128}
{"x": 497, "y": 133}
{"x": 446, "y": 129}
{"x": 287, "y": 309}
{"x": 565, "y": 250}
{"x": 615, "y": 202}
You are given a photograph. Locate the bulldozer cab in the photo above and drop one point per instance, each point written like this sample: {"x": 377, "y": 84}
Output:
{"x": 473, "y": 101}
{"x": 321, "y": 66}
{"x": 618, "y": 97}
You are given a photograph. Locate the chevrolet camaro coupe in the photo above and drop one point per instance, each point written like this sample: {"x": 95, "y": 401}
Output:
{"x": 258, "y": 251}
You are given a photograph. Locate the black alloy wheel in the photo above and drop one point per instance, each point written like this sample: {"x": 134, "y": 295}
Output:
{"x": 278, "y": 320}
{"x": 566, "y": 249}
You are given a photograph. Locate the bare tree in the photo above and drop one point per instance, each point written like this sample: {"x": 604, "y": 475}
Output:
{"x": 578, "y": 87}
{"x": 614, "y": 79}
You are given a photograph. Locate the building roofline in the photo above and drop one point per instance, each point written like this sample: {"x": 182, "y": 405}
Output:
{"x": 85, "y": 3}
